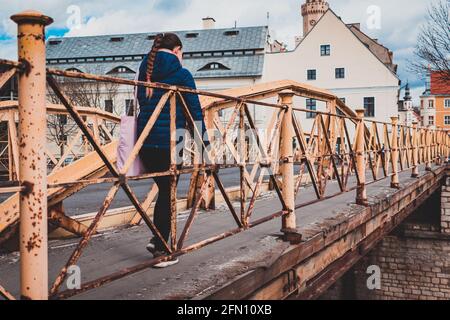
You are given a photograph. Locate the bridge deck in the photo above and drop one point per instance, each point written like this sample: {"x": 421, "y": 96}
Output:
{"x": 202, "y": 272}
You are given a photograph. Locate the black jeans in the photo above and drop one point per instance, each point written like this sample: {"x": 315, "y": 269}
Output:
{"x": 158, "y": 160}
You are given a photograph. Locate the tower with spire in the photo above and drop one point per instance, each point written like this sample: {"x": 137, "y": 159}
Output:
{"x": 312, "y": 11}
{"x": 407, "y": 99}
{"x": 406, "y": 108}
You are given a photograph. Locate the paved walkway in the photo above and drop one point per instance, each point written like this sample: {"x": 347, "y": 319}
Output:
{"x": 202, "y": 271}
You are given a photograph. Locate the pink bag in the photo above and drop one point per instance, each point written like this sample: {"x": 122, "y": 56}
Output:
{"x": 127, "y": 140}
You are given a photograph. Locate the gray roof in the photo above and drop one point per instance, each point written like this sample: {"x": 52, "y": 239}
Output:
{"x": 136, "y": 44}
{"x": 242, "y": 66}
{"x": 211, "y": 40}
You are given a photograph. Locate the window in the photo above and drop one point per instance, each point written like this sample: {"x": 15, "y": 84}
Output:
{"x": 369, "y": 107}
{"x": 447, "y": 120}
{"x": 116, "y": 39}
{"x": 54, "y": 42}
{"x": 214, "y": 66}
{"x": 430, "y": 104}
{"x": 62, "y": 119}
{"x": 311, "y": 104}
{"x": 325, "y": 50}
{"x": 338, "y": 111}
{"x": 109, "y": 106}
{"x": 121, "y": 69}
{"x": 231, "y": 33}
{"x": 340, "y": 73}
{"x": 311, "y": 74}
{"x": 129, "y": 106}
{"x": 447, "y": 103}
{"x": 74, "y": 70}
{"x": 191, "y": 35}
{"x": 431, "y": 120}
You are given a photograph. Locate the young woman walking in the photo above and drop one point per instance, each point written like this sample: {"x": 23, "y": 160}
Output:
{"x": 163, "y": 65}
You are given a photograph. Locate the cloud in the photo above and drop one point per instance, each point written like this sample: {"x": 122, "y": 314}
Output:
{"x": 399, "y": 20}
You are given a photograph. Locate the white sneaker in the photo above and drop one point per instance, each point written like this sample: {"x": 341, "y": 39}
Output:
{"x": 166, "y": 264}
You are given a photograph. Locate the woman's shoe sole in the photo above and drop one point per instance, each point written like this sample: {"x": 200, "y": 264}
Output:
{"x": 166, "y": 264}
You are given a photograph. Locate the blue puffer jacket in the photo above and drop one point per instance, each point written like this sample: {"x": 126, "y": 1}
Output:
{"x": 167, "y": 69}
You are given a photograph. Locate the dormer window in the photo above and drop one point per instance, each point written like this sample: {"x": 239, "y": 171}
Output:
{"x": 74, "y": 70}
{"x": 214, "y": 66}
{"x": 121, "y": 69}
{"x": 191, "y": 35}
{"x": 54, "y": 42}
{"x": 116, "y": 39}
{"x": 231, "y": 33}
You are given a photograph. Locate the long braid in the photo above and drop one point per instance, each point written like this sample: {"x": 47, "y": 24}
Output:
{"x": 151, "y": 60}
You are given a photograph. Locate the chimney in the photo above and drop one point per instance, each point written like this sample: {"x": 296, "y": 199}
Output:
{"x": 209, "y": 23}
{"x": 356, "y": 25}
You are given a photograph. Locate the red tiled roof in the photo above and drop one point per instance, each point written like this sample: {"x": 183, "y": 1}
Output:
{"x": 438, "y": 85}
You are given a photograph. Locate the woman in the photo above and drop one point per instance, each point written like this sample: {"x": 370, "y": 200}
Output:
{"x": 163, "y": 65}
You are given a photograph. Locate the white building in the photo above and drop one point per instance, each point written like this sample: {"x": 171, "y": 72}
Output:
{"x": 342, "y": 59}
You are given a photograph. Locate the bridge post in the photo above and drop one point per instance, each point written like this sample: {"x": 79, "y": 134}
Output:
{"x": 428, "y": 149}
{"x": 394, "y": 153}
{"x": 438, "y": 154}
{"x": 447, "y": 145}
{"x": 289, "y": 225}
{"x": 415, "y": 152}
{"x": 361, "y": 192}
{"x": 443, "y": 145}
{"x": 33, "y": 164}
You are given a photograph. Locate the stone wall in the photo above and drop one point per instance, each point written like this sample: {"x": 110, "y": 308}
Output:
{"x": 411, "y": 268}
{"x": 414, "y": 260}
{"x": 445, "y": 207}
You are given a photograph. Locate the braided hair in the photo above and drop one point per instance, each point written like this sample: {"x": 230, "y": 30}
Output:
{"x": 162, "y": 41}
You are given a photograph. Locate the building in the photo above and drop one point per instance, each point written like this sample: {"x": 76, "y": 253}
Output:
{"x": 435, "y": 102}
{"x": 312, "y": 12}
{"x": 331, "y": 54}
{"x": 341, "y": 58}
{"x": 9, "y": 90}
{"x": 218, "y": 58}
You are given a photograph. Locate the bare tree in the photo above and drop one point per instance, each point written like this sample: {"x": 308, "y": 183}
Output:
{"x": 433, "y": 43}
{"x": 82, "y": 93}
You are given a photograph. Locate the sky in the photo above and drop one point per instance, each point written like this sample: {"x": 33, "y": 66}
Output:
{"x": 396, "y": 25}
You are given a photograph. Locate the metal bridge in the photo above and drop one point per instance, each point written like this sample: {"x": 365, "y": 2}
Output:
{"x": 310, "y": 175}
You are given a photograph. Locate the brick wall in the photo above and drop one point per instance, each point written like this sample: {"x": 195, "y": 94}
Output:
{"x": 445, "y": 207}
{"x": 411, "y": 268}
